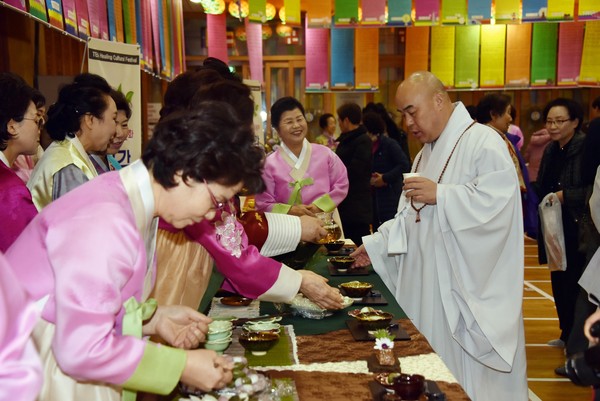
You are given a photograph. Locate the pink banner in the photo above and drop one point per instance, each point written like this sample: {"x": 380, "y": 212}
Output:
{"x": 317, "y": 68}
{"x": 147, "y": 32}
{"x": 20, "y": 4}
{"x": 216, "y": 32}
{"x": 103, "y": 19}
{"x": 70, "y": 16}
{"x": 427, "y": 12}
{"x": 570, "y": 48}
{"x": 254, "y": 41}
{"x": 94, "y": 18}
{"x": 155, "y": 33}
{"x": 83, "y": 20}
{"x": 373, "y": 12}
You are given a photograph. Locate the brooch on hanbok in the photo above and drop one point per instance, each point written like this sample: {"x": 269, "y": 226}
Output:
{"x": 228, "y": 234}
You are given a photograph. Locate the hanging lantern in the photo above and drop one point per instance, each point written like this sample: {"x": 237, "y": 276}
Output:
{"x": 240, "y": 11}
{"x": 267, "y": 32}
{"x": 283, "y": 31}
{"x": 282, "y": 15}
{"x": 270, "y": 11}
{"x": 213, "y": 6}
{"x": 240, "y": 33}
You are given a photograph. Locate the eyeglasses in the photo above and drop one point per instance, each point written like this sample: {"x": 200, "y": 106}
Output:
{"x": 216, "y": 204}
{"x": 38, "y": 120}
{"x": 558, "y": 123}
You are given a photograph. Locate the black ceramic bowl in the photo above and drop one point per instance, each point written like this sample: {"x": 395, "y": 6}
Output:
{"x": 409, "y": 387}
{"x": 258, "y": 343}
{"x": 342, "y": 262}
{"x": 356, "y": 289}
{"x": 334, "y": 246}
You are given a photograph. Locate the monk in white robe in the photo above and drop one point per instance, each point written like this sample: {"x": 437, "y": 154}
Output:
{"x": 453, "y": 257}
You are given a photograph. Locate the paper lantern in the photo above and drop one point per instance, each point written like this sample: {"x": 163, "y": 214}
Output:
{"x": 213, "y": 6}
{"x": 240, "y": 11}
{"x": 282, "y": 15}
{"x": 267, "y": 32}
{"x": 283, "y": 31}
{"x": 270, "y": 11}
{"x": 240, "y": 33}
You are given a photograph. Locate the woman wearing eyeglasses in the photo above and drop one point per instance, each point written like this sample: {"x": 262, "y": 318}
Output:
{"x": 560, "y": 172}
{"x": 19, "y": 135}
{"x": 82, "y": 121}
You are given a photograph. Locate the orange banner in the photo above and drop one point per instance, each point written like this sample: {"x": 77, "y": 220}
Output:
{"x": 417, "y": 47}
{"x": 518, "y": 54}
{"x": 318, "y": 13}
{"x": 366, "y": 59}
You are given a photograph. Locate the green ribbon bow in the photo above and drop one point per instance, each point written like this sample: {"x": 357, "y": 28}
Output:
{"x": 296, "y": 197}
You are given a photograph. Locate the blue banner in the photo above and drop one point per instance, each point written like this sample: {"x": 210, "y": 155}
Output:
{"x": 535, "y": 10}
{"x": 342, "y": 58}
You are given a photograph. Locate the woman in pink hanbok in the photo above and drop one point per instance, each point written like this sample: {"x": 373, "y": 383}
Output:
{"x": 88, "y": 259}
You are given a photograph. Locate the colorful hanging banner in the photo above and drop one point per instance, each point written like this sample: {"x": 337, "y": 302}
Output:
{"x": 155, "y": 31}
{"x": 292, "y": 12}
{"x": 317, "y": 68}
{"x": 417, "y": 45}
{"x": 543, "y": 54}
{"x": 94, "y": 18}
{"x": 18, "y": 4}
{"x": 373, "y": 12}
{"x": 83, "y": 21}
{"x": 216, "y": 33}
{"x": 493, "y": 41}
{"x": 454, "y": 13}
{"x": 561, "y": 10}
{"x": 167, "y": 30}
{"x": 103, "y": 19}
{"x": 570, "y": 47}
{"x": 129, "y": 21}
{"x": 178, "y": 48}
{"x": 342, "y": 58}
{"x": 257, "y": 11}
{"x": 366, "y": 59}
{"x": 535, "y": 10}
{"x": 518, "y": 55}
{"x": 112, "y": 22}
{"x": 480, "y": 11}
{"x": 508, "y": 11}
{"x": 588, "y": 10}
{"x": 318, "y": 13}
{"x": 70, "y": 16}
{"x": 442, "y": 54}
{"x": 590, "y": 59}
{"x": 346, "y": 12}
{"x": 161, "y": 35}
{"x": 55, "y": 13}
{"x": 399, "y": 12}
{"x": 37, "y": 8}
{"x": 255, "y": 50}
{"x": 427, "y": 12}
{"x": 466, "y": 73}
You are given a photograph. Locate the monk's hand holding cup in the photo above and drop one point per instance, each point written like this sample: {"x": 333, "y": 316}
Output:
{"x": 420, "y": 189}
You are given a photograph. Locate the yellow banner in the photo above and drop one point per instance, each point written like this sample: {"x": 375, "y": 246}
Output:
{"x": 366, "y": 59}
{"x": 518, "y": 54}
{"x": 561, "y": 10}
{"x": 292, "y": 12}
{"x": 493, "y": 39}
{"x": 590, "y": 60}
{"x": 508, "y": 11}
{"x": 442, "y": 54}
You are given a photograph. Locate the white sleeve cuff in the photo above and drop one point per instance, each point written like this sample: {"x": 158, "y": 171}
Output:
{"x": 283, "y": 236}
{"x": 285, "y": 288}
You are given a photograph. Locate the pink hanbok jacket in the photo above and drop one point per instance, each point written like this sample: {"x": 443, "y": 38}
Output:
{"x": 20, "y": 368}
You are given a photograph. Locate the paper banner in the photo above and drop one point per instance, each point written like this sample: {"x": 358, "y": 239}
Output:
{"x": 346, "y": 12}
{"x": 590, "y": 59}
{"x": 466, "y": 73}
{"x": 366, "y": 59}
{"x": 129, "y": 21}
{"x": 417, "y": 45}
{"x": 560, "y": 10}
{"x": 55, "y": 16}
{"x": 373, "y": 12}
{"x": 570, "y": 47}
{"x": 292, "y": 12}
{"x": 399, "y": 12}
{"x": 427, "y": 12}
{"x": 83, "y": 21}
{"x": 19, "y": 4}
{"x": 442, "y": 54}
{"x": 177, "y": 32}
{"x": 480, "y": 11}
{"x": 257, "y": 11}
{"x": 103, "y": 19}
{"x": 518, "y": 55}
{"x": 94, "y": 18}
{"x": 543, "y": 54}
{"x": 216, "y": 33}
{"x": 318, "y": 13}
{"x": 317, "y": 68}
{"x": 139, "y": 27}
{"x": 454, "y": 12}
{"x": 161, "y": 35}
{"x": 167, "y": 30}
{"x": 508, "y": 11}
{"x": 145, "y": 32}
{"x": 535, "y": 10}
{"x": 112, "y": 20}
{"x": 255, "y": 48}
{"x": 342, "y": 58}
{"x": 155, "y": 31}
{"x": 37, "y": 8}
{"x": 493, "y": 40}
{"x": 70, "y": 16}
{"x": 588, "y": 10}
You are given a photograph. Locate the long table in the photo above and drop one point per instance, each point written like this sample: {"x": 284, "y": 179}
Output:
{"x": 329, "y": 342}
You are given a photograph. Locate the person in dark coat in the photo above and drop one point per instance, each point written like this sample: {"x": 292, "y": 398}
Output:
{"x": 389, "y": 162}
{"x": 391, "y": 128}
{"x": 354, "y": 149}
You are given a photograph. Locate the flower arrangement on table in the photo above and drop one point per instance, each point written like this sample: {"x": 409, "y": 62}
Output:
{"x": 384, "y": 346}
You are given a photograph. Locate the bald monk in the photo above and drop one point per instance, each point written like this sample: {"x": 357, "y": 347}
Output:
{"x": 453, "y": 255}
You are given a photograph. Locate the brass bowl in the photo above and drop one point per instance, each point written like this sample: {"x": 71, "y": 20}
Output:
{"x": 258, "y": 343}
{"x": 356, "y": 289}
{"x": 334, "y": 246}
{"x": 373, "y": 320}
{"x": 342, "y": 262}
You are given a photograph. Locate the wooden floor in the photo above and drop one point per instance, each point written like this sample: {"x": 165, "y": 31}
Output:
{"x": 541, "y": 326}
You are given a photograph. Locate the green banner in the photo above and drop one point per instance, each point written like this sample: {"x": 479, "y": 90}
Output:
{"x": 399, "y": 12}
{"x": 257, "y": 11}
{"x": 346, "y": 12}
{"x": 544, "y": 45}
{"x": 454, "y": 12}
{"x": 466, "y": 74}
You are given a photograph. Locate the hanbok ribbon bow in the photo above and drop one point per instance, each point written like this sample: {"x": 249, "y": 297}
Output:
{"x": 296, "y": 198}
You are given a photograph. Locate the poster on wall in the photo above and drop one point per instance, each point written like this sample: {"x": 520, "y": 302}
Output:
{"x": 119, "y": 64}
